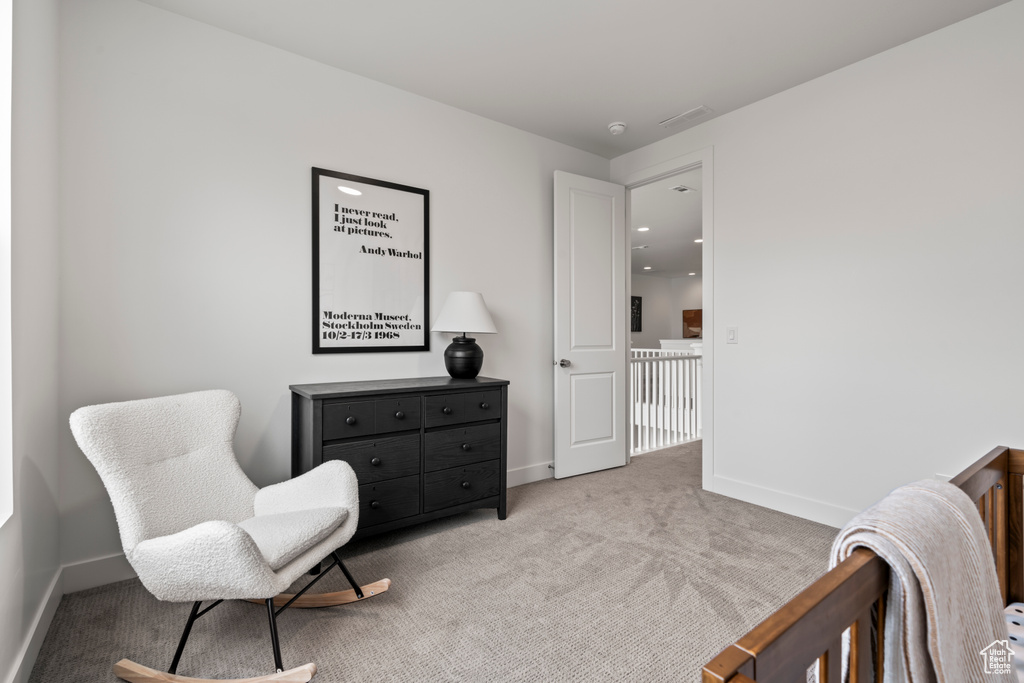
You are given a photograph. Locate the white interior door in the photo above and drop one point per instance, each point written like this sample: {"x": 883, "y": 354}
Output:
{"x": 591, "y": 332}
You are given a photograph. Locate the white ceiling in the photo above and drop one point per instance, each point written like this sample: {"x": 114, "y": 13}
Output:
{"x": 674, "y": 220}
{"x": 565, "y": 69}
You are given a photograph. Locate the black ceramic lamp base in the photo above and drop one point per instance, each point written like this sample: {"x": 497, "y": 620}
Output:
{"x": 463, "y": 358}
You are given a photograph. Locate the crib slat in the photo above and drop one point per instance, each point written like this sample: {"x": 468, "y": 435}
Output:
{"x": 830, "y": 664}
{"x": 990, "y": 518}
{"x": 998, "y": 534}
{"x": 860, "y": 649}
{"x": 880, "y": 639}
{"x": 1015, "y": 539}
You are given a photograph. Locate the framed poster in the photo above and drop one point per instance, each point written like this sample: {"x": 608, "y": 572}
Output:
{"x": 636, "y": 314}
{"x": 370, "y": 265}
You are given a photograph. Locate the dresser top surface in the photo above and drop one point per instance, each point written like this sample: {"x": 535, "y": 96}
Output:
{"x": 394, "y": 386}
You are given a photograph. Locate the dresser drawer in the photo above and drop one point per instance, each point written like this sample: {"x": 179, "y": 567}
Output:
{"x": 460, "y": 446}
{"x": 379, "y": 459}
{"x": 388, "y": 500}
{"x": 444, "y": 410}
{"x": 396, "y": 415}
{"x": 482, "y": 405}
{"x": 461, "y": 485}
{"x": 343, "y": 420}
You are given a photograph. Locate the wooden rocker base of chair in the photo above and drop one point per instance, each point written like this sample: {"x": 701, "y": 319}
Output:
{"x": 330, "y": 599}
{"x": 128, "y": 670}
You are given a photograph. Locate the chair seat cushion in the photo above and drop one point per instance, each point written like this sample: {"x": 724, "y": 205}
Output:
{"x": 284, "y": 536}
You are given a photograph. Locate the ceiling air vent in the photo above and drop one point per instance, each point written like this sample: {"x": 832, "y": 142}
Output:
{"x": 682, "y": 188}
{"x": 686, "y": 117}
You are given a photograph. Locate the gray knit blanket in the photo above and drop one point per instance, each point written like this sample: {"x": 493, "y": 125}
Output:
{"x": 944, "y": 617}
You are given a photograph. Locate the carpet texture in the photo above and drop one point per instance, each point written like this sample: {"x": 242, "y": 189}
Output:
{"x": 632, "y": 574}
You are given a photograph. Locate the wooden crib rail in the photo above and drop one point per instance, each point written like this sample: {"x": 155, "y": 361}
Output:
{"x": 810, "y": 626}
{"x": 784, "y": 645}
{"x": 995, "y": 484}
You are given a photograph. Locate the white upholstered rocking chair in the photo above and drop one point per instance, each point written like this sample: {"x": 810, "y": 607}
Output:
{"x": 195, "y": 528}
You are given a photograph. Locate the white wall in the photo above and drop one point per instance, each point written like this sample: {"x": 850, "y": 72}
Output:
{"x": 185, "y": 254}
{"x": 29, "y": 552}
{"x": 687, "y": 293}
{"x": 656, "y": 293}
{"x": 868, "y": 231}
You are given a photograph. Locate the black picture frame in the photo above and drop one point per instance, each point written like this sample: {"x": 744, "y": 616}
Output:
{"x": 371, "y": 265}
{"x": 636, "y": 313}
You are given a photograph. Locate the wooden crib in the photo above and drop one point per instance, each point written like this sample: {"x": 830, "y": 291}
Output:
{"x": 810, "y": 626}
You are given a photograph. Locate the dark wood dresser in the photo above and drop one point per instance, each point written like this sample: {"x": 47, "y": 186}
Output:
{"x": 421, "y": 448}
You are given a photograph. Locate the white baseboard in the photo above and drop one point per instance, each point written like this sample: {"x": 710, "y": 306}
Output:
{"x": 97, "y": 572}
{"x": 814, "y": 510}
{"x": 530, "y": 473}
{"x": 103, "y": 570}
{"x": 26, "y": 657}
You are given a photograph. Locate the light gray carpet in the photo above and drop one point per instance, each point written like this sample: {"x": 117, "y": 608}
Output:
{"x": 633, "y": 574}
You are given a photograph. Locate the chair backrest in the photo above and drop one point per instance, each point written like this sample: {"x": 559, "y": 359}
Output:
{"x": 167, "y": 463}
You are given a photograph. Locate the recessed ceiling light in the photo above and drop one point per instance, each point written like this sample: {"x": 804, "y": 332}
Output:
{"x": 647, "y": 267}
{"x": 349, "y": 190}
{"x": 699, "y": 240}
{"x": 693, "y": 273}
{"x": 641, "y": 246}
{"x": 643, "y": 229}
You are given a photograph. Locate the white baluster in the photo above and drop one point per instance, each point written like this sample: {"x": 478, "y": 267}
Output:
{"x": 700, "y": 392}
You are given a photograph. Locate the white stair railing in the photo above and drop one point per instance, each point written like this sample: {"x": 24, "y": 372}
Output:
{"x": 665, "y": 399}
{"x": 659, "y": 353}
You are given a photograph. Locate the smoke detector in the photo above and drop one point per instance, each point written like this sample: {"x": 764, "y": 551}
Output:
{"x": 617, "y": 128}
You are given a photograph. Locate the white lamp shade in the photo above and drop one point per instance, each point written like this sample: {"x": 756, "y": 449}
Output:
{"x": 464, "y": 312}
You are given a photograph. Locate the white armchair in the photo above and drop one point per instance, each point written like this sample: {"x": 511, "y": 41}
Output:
{"x": 195, "y": 528}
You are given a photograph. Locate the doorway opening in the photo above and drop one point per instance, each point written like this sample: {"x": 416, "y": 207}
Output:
{"x": 665, "y": 220}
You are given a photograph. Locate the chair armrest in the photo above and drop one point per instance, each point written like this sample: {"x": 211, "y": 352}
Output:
{"x": 332, "y": 484}
{"x": 209, "y": 561}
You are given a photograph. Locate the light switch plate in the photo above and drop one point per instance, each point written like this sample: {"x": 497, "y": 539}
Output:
{"x": 732, "y": 335}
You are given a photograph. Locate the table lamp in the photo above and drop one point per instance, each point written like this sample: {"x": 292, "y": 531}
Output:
{"x": 464, "y": 312}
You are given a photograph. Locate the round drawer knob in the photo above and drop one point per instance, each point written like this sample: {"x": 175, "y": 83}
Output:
{"x": 446, "y": 410}
{"x": 375, "y": 462}
{"x": 485, "y": 405}
{"x": 465, "y": 484}
{"x": 374, "y": 504}
{"x": 350, "y": 420}
{"x": 399, "y": 415}
{"x": 466, "y": 447}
